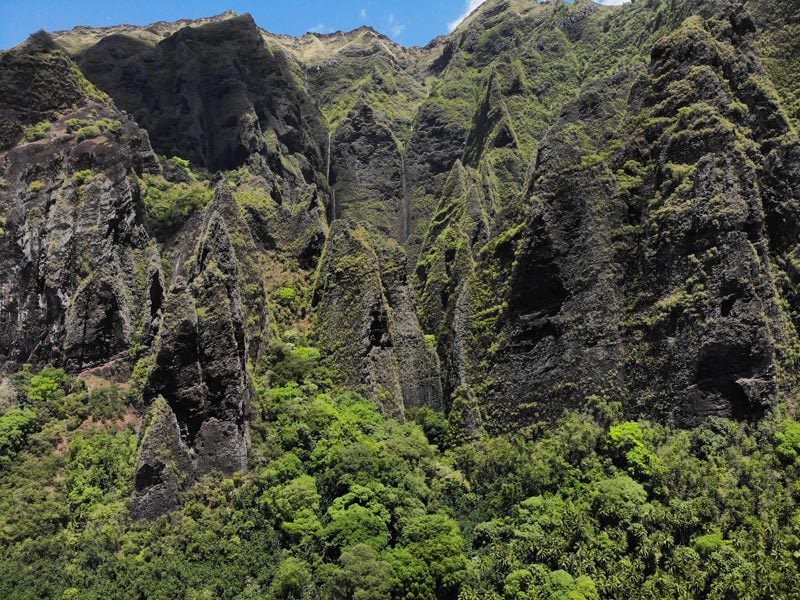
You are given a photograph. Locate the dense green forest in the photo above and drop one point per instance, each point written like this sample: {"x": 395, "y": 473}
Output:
{"x": 344, "y": 503}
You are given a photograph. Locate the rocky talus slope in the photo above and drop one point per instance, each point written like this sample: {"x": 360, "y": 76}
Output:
{"x": 555, "y": 202}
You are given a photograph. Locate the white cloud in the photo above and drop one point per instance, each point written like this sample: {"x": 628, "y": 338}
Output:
{"x": 471, "y": 5}
{"x": 362, "y": 14}
{"x": 395, "y": 27}
{"x": 320, "y": 28}
{"x": 612, "y": 2}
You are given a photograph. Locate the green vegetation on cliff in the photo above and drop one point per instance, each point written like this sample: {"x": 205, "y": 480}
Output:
{"x": 512, "y": 316}
{"x": 342, "y": 502}
{"x": 170, "y": 204}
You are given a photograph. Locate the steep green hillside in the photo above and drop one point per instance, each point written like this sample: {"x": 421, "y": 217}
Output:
{"x": 513, "y": 315}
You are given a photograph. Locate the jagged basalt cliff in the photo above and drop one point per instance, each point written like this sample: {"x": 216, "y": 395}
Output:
{"x": 207, "y": 94}
{"x": 200, "y": 369}
{"x": 72, "y": 219}
{"x": 557, "y": 202}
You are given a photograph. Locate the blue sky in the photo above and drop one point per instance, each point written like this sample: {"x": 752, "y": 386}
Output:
{"x": 410, "y": 22}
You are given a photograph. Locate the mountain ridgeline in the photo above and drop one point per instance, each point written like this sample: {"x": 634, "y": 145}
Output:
{"x": 556, "y": 209}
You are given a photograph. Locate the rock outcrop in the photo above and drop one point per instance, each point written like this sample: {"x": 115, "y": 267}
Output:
{"x": 72, "y": 235}
{"x": 199, "y": 382}
{"x": 208, "y": 94}
{"x": 705, "y": 271}
{"x": 367, "y": 173}
{"x": 649, "y": 272}
{"x": 36, "y": 82}
{"x": 163, "y": 464}
{"x": 366, "y": 321}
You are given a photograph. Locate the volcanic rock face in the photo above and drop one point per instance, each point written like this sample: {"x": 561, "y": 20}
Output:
{"x": 366, "y": 319}
{"x": 645, "y": 271}
{"x": 35, "y": 81}
{"x": 199, "y": 385}
{"x": 555, "y": 202}
{"x": 72, "y": 234}
{"x": 368, "y": 166}
{"x": 208, "y": 93}
{"x": 164, "y": 464}
{"x": 704, "y": 237}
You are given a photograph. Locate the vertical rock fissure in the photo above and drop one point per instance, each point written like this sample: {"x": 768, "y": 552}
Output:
{"x": 328, "y": 180}
{"x": 328, "y": 164}
{"x": 177, "y": 268}
{"x": 405, "y": 213}
{"x": 84, "y": 331}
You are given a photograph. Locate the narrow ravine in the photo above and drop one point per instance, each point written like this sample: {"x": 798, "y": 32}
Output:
{"x": 328, "y": 179}
{"x": 405, "y": 211}
{"x": 328, "y": 166}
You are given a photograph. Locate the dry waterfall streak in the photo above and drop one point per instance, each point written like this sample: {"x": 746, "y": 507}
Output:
{"x": 405, "y": 209}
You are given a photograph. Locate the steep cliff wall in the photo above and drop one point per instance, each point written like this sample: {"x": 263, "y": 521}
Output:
{"x": 555, "y": 202}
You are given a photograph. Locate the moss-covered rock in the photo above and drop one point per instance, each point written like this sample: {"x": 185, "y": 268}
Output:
{"x": 163, "y": 463}
{"x": 367, "y": 323}
{"x": 367, "y": 173}
{"x": 209, "y": 93}
{"x": 200, "y": 365}
{"x": 72, "y": 220}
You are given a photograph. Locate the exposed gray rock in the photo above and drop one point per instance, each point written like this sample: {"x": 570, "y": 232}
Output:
{"x": 208, "y": 93}
{"x": 367, "y": 172}
{"x": 71, "y": 228}
{"x": 416, "y": 357}
{"x": 201, "y": 354}
{"x": 163, "y": 463}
